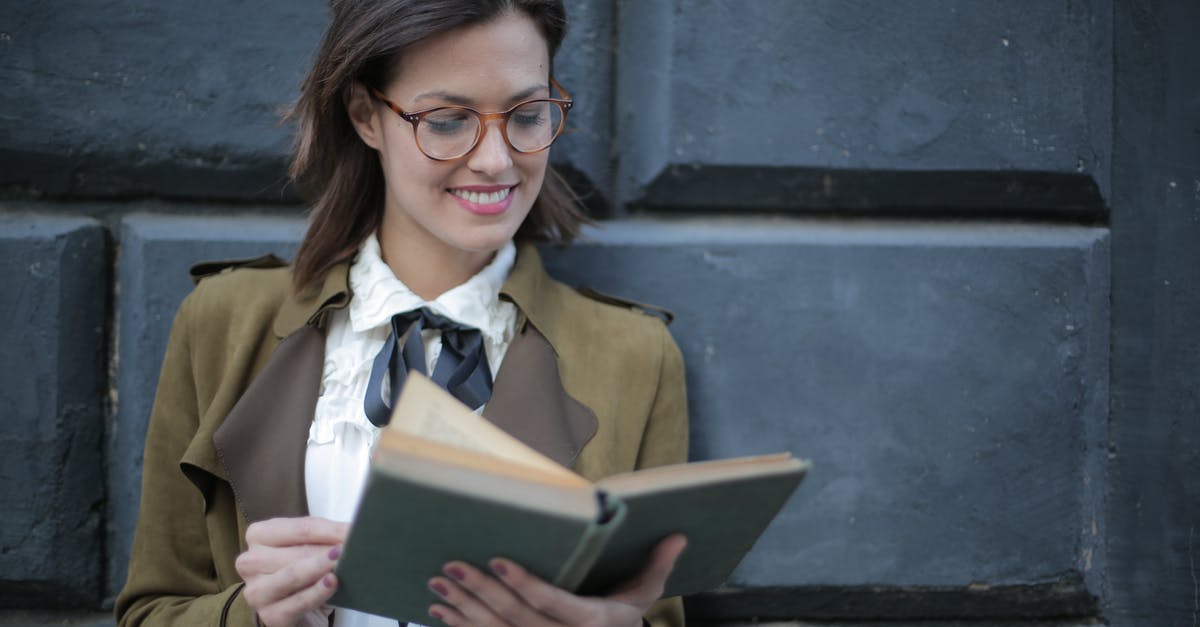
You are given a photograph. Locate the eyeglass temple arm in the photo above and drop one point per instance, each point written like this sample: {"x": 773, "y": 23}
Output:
{"x": 555, "y": 84}
{"x": 378, "y": 95}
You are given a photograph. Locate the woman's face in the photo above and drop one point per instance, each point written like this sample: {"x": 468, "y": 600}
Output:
{"x": 473, "y": 204}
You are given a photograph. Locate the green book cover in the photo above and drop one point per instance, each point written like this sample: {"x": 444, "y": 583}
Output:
{"x": 407, "y": 529}
{"x": 433, "y": 497}
{"x": 722, "y": 515}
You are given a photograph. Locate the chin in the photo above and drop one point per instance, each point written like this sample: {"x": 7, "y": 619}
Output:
{"x": 487, "y": 240}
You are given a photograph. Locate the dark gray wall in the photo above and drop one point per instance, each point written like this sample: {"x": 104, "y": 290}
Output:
{"x": 181, "y": 100}
{"x": 54, "y": 275}
{"x": 884, "y": 226}
{"x": 949, "y": 383}
{"x": 712, "y": 85}
{"x": 1154, "y": 474}
{"x": 143, "y": 97}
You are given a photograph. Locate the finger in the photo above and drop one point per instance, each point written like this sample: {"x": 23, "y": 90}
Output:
{"x": 543, "y": 598}
{"x": 500, "y": 598}
{"x": 647, "y": 586}
{"x": 266, "y": 590}
{"x": 447, "y": 615}
{"x": 477, "y": 611}
{"x": 261, "y": 560}
{"x": 293, "y": 531}
{"x": 288, "y": 611}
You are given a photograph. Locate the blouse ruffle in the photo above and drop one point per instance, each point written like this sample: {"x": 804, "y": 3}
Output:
{"x": 341, "y": 437}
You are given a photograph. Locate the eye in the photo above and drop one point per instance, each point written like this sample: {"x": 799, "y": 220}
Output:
{"x": 448, "y": 121}
{"x": 530, "y": 115}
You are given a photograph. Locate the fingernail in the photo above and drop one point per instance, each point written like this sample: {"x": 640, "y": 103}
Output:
{"x": 434, "y": 613}
{"x": 456, "y": 572}
{"x": 498, "y": 567}
{"x": 440, "y": 588}
{"x": 335, "y": 552}
{"x": 327, "y": 581}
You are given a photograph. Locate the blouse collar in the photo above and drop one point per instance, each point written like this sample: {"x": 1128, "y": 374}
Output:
{"x": 379, "y": 295}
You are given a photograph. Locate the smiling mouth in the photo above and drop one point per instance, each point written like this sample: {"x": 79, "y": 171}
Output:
{"x": 484, "y": 198}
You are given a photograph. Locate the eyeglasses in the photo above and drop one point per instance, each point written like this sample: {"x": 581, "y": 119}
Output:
{"x": 445, "y": 133}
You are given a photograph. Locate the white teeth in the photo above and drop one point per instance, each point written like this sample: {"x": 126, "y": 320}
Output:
{"x": 489, "y": 198}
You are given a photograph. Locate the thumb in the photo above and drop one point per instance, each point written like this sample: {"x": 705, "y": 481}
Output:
{"x": 647, "y": 586}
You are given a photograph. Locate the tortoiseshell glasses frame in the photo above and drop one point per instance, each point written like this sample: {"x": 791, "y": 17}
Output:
{"x": 416, "y": 118}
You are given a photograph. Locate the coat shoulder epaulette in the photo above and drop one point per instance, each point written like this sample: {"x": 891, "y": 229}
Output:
{"x": 205, "y": 269}
{"x": 609, "y": 299}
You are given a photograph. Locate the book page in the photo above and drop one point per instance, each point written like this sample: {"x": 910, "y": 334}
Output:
{"x": 666, "y": 478}
{"x": 422, "y": 457}
{"x": 428, "y": 411}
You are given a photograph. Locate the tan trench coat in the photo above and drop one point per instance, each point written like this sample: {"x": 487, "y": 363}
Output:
{"x": 596, "y": 386}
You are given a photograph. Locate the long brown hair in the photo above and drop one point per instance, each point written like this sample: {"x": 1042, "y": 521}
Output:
{"x": 338, "y": 173}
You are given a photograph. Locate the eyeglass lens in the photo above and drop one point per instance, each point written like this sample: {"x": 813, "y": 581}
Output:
{"x": 452, "y": 132}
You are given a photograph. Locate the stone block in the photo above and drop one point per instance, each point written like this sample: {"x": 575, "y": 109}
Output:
{"x": 1153, "y": 502}
{"x": 949, "y": 383}
{"x": 796, "y": 93}
{"x": 54, "y": 274}
{"x": 173, "y": 99}
{"x": 584, "y": 66}
{"x": 152, "y": 272}
{"x": 183, "y": 100}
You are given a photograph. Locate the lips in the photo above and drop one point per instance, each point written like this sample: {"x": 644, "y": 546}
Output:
{"x": 484, "y": 200}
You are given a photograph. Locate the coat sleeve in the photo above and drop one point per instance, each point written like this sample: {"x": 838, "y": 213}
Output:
{"x": 172, "y": 577}
{"x": 665, "y": 441}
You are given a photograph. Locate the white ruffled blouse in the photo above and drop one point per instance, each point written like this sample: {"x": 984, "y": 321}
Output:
{"x": 341, "y": 437}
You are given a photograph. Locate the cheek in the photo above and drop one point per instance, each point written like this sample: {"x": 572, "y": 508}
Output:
{"x": 534, "y": 167}
{"x": 399, "y": 152}
{"x": 409, "y": 171}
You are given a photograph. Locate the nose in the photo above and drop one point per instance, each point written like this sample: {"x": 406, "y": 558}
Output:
{"x": 492, "y": 155}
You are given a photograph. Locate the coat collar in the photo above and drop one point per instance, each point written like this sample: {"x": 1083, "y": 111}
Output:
{"x": 535, "y": 294}
{"x": 263, "y": 439}
{"x": 528, "y": 286}
{"x": 309, "y": 306}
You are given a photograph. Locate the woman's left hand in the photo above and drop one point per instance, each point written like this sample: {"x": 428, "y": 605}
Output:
{"x": 513, "y": 596}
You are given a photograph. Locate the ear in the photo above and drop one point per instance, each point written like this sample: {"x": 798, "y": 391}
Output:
{"x": 361, "y": 109}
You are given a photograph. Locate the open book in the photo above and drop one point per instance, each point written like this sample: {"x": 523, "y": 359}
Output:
{"x": 445, "y": 484}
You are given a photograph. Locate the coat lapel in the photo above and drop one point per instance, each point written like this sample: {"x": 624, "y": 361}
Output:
{"x": 530, "y": 403}
{"x": 528, "y": 399}
{"x": 263, "y": 440}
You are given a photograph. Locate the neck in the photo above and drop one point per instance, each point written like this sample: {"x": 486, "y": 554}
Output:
{"x": 429, "y": 269}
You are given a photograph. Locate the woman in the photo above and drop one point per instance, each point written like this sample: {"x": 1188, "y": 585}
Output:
{"x": 423, "y": 130}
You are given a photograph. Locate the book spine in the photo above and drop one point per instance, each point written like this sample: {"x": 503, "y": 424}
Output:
{"x": 592, "y": 543}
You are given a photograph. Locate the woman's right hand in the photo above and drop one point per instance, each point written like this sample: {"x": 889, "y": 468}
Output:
{"x": 288, "y": 569}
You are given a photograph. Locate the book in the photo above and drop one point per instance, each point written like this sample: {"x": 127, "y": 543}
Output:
{"x": 445, "y": 484}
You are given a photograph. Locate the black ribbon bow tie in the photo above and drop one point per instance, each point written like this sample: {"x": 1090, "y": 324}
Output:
{"x": 462, "y": 367}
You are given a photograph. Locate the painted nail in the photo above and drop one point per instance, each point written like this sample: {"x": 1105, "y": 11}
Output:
{"x": 327, "y": 581}
{"x": 434, "y": 613}
{"x": 440, "y": 588}
{"x": 456, "y": 572}
{"x": 498, "y": 567}
{"x": 335, "y": 552}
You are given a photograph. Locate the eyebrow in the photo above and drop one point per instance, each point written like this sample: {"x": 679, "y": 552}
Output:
{"x": 457, "y": 99}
